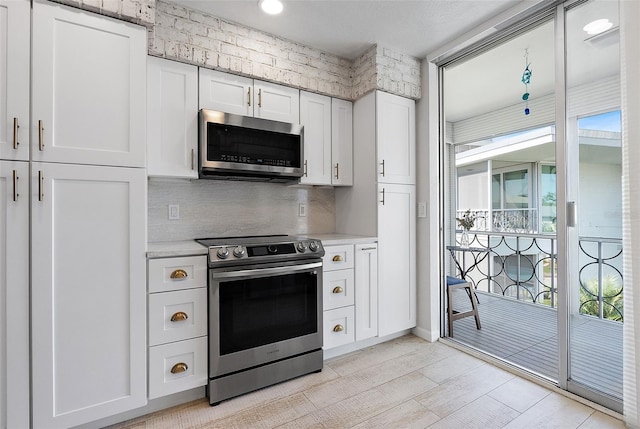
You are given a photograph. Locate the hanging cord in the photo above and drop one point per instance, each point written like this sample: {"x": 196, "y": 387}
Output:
{"x": 526, "y": 80}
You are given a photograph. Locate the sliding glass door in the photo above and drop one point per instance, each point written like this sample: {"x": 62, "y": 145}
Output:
{"x": 595, "y": 290}
{"x": 532, "y": 140}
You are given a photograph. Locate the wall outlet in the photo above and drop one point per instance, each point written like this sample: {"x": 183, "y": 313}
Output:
{"x": 302, "y": 210}
{"x": 174, "y": 212}
{"x": 422, "y": 209}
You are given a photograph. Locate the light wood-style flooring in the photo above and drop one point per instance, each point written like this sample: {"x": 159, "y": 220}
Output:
{"x": 403, "y": 383}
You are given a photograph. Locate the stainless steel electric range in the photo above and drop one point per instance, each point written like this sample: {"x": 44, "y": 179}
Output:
{"x": 265, "y": 312}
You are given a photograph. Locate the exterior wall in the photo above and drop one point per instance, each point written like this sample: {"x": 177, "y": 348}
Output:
{"x": 186, "y": 35}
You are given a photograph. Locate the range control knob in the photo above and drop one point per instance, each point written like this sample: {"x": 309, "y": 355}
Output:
{"x": 302, "y": 247}
{"x": 313, "y": 246}
{"x": 238, "y": 252}
{"x": 223, "y": 253}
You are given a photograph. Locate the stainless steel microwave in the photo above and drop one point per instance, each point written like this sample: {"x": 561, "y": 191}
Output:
{"x": 241, "y": 147}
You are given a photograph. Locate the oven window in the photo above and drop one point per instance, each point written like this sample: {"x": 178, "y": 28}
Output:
{"x": 249, "y": 146}
{"x": 259, "y": 311}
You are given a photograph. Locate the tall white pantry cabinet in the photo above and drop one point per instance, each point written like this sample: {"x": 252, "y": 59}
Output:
{"x": 382, "y": 201}
{"x": 80, "y": 186}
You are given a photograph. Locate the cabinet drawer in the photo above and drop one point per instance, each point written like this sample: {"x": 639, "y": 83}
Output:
{"x": 179, "y": 315}
{"x": 338, "y": 289}
{"x": 339, "y": 327}
{"x": 337, "y": 257}
{"x": 187, "y": 359}
{"x": 177, "y": 273}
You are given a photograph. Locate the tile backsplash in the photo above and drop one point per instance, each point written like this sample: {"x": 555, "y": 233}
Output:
{"x": 214, "y": 208}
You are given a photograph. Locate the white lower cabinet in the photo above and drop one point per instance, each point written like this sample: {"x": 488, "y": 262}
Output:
{"x": 350, "y": 293}
{"x": 88, "y": 315}
{"x": 397, "y": 258}
{"x": 14, "y": 294}
{"x": 177, "y": 324}
{"x": 179, "y": 366}
{"x": 339, "y": 327}
{"x": 366, "y": 290}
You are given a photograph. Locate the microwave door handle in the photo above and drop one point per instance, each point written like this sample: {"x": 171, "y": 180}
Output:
{"x": 262, "y": 272}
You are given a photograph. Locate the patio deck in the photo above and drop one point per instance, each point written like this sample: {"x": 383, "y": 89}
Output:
{"x": 526, "y": 335}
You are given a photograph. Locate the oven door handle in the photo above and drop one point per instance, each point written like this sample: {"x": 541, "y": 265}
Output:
{"x": 266, "y": 271}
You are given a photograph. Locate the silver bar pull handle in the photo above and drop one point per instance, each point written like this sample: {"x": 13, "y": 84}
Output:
{"x": 382, "y": 164}
{"x": 40, "y": 186}
{"x": 15, "y": 186}
{"x": 382, "y": 201}
{"x": 337, "y": 171}
{"x": 260, "y": 97}
{"x": 572, "y": 214}
{"x": 40, "y": 136}
{"x": 305, "y": 168}
{"x": 15, "y": 133}
{"x": 193, "y": 159}
{"x": 249, "y": 97}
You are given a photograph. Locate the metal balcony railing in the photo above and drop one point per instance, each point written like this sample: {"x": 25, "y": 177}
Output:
{"x": 524, "y": 267}
{"x": 507, "y": 220}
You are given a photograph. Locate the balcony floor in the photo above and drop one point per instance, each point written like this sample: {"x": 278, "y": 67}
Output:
{"x": 526, "y": 335}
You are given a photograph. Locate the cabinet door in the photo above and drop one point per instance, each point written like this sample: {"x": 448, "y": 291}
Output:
{"x": 341, "y": 142}
{"x": 14, "y": 294}
{"x": 226, "y": 92}
{"x": 366, "y": 279}
{"x": 397, "y": 258}
{"x": 315, "y": 115}
{"x": 172, "y": 119}
{"x": 89, "y": 86}
{"x": 276, "y": 102}
{"x": 88, "y": 292}
{"x": 14, "y": 79}
{"x": 396, "y": 138}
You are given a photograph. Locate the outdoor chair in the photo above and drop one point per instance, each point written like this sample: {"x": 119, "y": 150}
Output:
{"x": 456, "y": 283}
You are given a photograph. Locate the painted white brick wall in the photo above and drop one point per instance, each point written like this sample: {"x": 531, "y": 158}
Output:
{"x": 141, "y": 12}
{"x": 186, "y": 35}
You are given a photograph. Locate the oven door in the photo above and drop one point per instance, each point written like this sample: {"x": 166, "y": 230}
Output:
{"x": 261, "y": 314}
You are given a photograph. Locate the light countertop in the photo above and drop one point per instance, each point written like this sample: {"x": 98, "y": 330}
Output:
{"x": 169, "y": 249}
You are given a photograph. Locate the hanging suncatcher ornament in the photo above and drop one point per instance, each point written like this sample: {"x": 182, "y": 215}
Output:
{"x": 526, "y": 80}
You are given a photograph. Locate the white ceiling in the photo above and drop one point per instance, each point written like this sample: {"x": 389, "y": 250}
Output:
{"x": 347, "y": 28}
{"x": 492, "y": 80}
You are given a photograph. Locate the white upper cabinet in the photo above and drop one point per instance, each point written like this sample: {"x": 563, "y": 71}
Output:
{"x": 396, "y": 138}
{"x": 14, "y": 294}
{"x": 243, "y": 96}
{"x": 341, "y": 142}
{"x": 88, "y": 88}
{"x": 172, "y": 119}
{"x": 328, "y": 140}
{"x": 88, "y": 292}
{"x": 14, "y": 79}
{"x": 276, "y": 102}
{"x": 226, "y": 92}
{"x": 315, "y": 116}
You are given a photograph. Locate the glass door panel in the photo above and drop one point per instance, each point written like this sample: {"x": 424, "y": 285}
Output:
{"x": 594, "y": 171}
{"x": 502, "y": 148}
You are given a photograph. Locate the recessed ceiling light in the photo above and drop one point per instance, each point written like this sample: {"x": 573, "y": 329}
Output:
{"x": 598, "y": 26}
{"x": 272, "y": 7}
